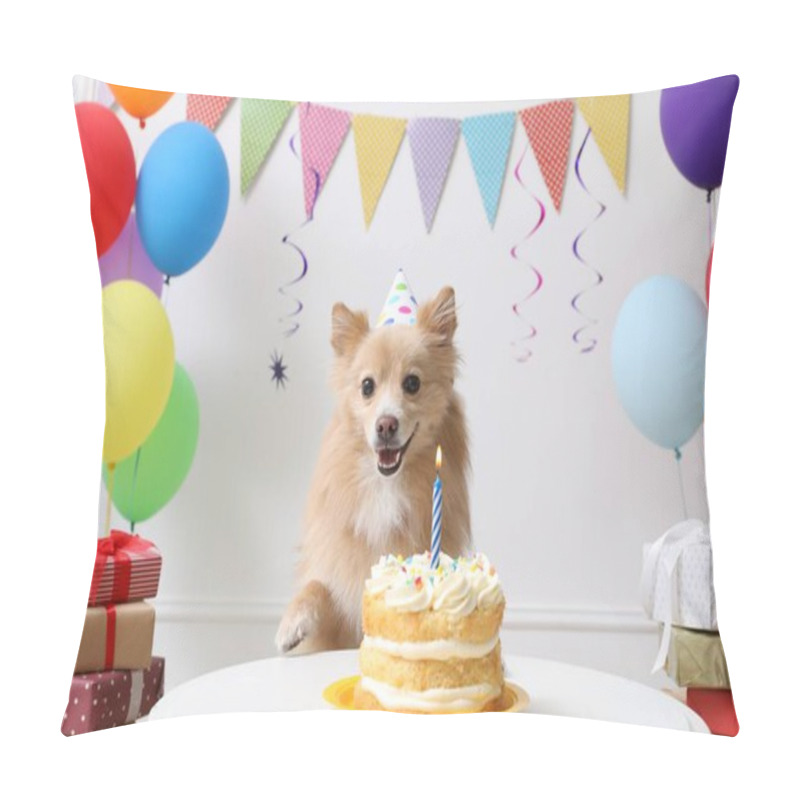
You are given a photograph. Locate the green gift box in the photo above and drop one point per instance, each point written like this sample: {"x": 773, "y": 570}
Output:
{"x": 696, "y": 659}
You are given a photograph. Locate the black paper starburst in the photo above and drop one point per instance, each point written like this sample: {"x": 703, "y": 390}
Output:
{"x": 278, "y": 371}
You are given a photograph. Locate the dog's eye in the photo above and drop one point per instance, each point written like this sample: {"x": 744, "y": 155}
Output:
{"x": 411, "y": 384}
{"x": 367, "y": 387}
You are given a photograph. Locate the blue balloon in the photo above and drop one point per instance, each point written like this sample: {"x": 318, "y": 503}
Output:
{"x": 182, "y": 196}
{"x": 658, "y": 357}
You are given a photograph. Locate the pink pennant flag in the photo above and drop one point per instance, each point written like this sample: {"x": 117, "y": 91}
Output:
{"x": 207, "y": 109}
{"x": 322, "y": 132}
{"x": 433, "y": 141}
{"x": 549, "y": 129}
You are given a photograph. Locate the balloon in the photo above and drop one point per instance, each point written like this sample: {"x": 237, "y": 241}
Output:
{"x": 149, "y": 478}
{"x": 658, "y": 355}
{"x": 126, "y": 259}
{"x": 110, "y": 169}
{"x": 139, "y": 103}
{"x": 182, "y": 196}
{"x": 140, "y": 361}
{"x": 695, "y": 122}
{"x": 708, "y": 275}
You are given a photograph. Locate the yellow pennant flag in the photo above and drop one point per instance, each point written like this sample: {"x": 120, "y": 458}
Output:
{"x": 377, "y": 142}
{"x": 608, "y": 117}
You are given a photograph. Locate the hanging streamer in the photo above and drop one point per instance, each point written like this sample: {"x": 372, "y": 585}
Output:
{"x": 294, "y": 325}
{"x": 598, "y": 275}
{"x": 518, "y": 343}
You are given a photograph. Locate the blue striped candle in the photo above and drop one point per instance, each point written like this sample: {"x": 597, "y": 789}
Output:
{"x": 436, "y": 521}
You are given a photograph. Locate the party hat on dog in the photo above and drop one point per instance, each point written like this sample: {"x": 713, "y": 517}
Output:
{"x": 400, "y": 307}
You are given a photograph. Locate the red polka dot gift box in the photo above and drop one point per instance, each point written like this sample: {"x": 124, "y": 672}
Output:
{"x": 99, "y": 700}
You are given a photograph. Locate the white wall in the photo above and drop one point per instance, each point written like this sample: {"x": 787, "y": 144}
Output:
{"x": 565, "y": 490}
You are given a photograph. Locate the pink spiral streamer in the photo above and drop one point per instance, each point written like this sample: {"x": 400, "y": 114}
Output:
{"x": 294, "y": 324}
{"x": 532, "y": 332}
{"x": 598, "y": 277}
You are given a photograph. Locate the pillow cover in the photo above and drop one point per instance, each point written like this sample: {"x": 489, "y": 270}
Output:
{"x": 402, "y": 388}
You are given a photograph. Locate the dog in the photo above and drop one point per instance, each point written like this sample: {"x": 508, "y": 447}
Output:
{"x": 371, "y": 492}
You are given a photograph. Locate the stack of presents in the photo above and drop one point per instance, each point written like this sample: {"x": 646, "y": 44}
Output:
{"x": 117, "y": 678}
{"x": 678, "y": 592}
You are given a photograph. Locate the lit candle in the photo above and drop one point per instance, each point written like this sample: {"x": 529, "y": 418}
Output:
{"x": 436, "y": 521}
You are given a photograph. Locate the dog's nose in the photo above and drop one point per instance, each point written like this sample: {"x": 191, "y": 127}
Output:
{"x": 386, "y": 427}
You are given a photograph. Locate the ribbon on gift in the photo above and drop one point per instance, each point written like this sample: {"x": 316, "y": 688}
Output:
{"x": 137, "y": 689}
{"x": 116, "y": 548}
{"x": 111, "y": 634}
{"x": 663, "y": 556}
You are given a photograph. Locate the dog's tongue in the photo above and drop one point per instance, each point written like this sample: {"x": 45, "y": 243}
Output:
{"x": 387, "y": 457}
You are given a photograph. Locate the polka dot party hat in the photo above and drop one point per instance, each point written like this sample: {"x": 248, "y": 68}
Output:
{"x": 400, "y": 307}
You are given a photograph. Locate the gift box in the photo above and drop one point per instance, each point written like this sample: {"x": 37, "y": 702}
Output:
{"x": 126, "y": 568}
{"x": 117, "y": 637}
{"x": 715, "y": 706}
{"x": 696, "y": 659}
{"x": 99, "y": 700}
{"x": 677, "y": 585}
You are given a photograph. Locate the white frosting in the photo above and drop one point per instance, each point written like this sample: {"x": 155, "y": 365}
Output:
{"x": 461, "y": 698}
{"x": 436, "y": 650}
{"x": 457, "y": 586}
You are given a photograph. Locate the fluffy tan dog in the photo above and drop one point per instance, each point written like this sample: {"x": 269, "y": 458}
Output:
{"x": 371, "y": 490}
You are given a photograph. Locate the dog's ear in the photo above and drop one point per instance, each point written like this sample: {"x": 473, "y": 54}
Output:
{"x": 438, "y": 316}
{"x": 348, "y": 329}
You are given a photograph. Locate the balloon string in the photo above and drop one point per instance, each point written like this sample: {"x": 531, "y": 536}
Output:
{"x": 598, "y": 275}
{"x": 110, "y": 492}
{"x": 294, "y": 326}
{"x": 133, "y": 482}
{"x": 678, "y": 458}
{"x": 515, "y": 307}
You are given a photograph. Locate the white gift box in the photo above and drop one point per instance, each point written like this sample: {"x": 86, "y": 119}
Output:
{"x": 678, "y": 581}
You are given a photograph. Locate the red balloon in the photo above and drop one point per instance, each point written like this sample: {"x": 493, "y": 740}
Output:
{"x": 708, "y": 276}
{"x": 110, "y": 168}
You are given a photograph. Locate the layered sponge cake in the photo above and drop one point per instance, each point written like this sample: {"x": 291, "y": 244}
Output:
{"x": 431, "y": 636}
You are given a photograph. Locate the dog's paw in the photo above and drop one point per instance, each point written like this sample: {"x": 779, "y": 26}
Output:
{"x": 295, "y": 627}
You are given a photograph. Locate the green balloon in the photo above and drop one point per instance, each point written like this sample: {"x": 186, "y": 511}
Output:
{"x": 141, "y": 489}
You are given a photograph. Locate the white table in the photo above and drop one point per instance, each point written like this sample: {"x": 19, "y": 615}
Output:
{"x": 296, "y": 683}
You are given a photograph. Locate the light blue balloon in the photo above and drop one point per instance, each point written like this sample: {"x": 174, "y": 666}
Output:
{"x": 182, "y": 196}
{"x": 658, "y": 357}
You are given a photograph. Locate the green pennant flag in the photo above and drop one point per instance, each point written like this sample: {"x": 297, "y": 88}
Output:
{"x": 262, "y": 121}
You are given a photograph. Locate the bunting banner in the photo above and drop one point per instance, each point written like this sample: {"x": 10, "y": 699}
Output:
{"x": 609, "y": 119}
{"x": 322, "y": 132}
{"x": 262, "y": 121}
{"x": 488, "y": 139}
{"x": 377, "y": 142}
{"x": 433, "y": 141}
{"x": 207, "y": 109}
{"x": 549, "y": 129}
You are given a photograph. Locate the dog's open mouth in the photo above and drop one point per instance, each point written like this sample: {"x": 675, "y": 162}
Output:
{"x": 391, "y": 458}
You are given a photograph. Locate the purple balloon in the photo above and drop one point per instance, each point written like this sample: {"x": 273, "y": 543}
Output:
{"x": 127, "y": 259}
{"x": 695, "y": 122}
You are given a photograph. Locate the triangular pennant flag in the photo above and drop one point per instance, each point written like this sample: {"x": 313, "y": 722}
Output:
{"x": 322, "y": 131}
{"x": 207, "y": 109}
{"x": 488, "y": 139}
{"x": 608, "y": 117}
{"x": 262, "y": 121}
{"x": 377, "y": 142}
{"x": 549, "y": 129}
{"x": 433, "y": 141}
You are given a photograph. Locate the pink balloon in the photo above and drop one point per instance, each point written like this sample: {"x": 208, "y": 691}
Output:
{"x": 127, "y": 259}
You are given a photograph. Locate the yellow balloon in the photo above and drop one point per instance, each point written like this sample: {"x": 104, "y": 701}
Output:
{"x": 139, "y": 103}
{"x": 140, "y": 361}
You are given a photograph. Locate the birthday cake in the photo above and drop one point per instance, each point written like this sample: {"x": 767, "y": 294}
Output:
{"x": 431, "y": 636}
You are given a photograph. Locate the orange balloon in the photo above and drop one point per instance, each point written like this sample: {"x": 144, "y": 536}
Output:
{"x": 139, "y": 103}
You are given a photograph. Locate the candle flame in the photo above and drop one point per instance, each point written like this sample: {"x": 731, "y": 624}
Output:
{"x": 438, "y": 457}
